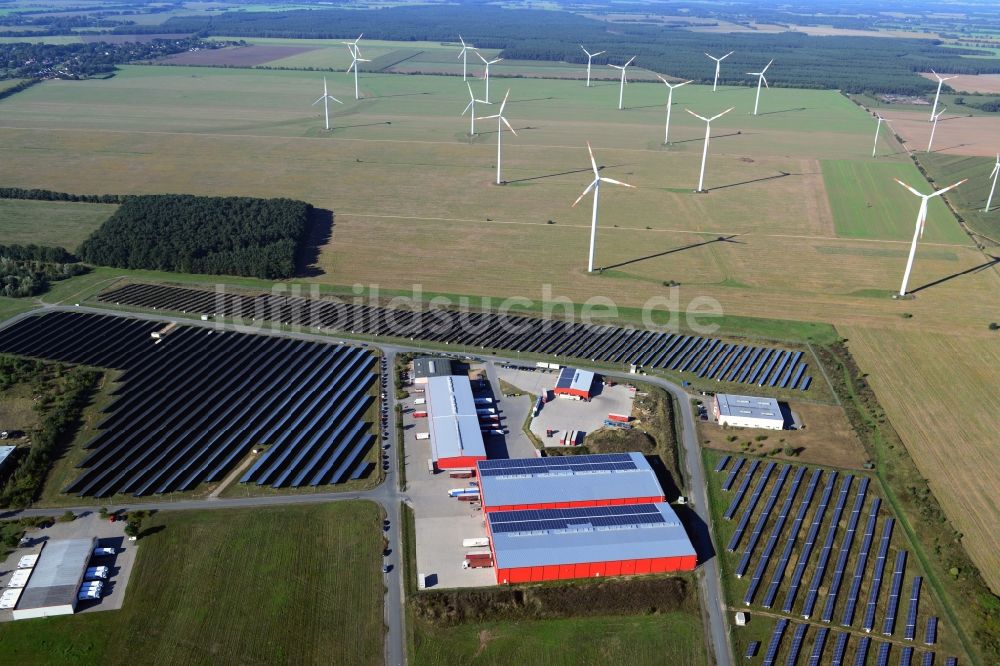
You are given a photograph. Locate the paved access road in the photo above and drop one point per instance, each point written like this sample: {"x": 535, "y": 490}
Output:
{"x": 389, "y": 496}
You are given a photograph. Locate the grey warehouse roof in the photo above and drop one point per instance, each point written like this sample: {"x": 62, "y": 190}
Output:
{"x": 579, "y": 380}
{"x": 749, "y": 406}
{"x": 597, "y": 534}
{"x": 452, "y": 418}
{"x": 431, "y": 367}
{"x": 56, "y": 577}
{"x": 567, "y": 479}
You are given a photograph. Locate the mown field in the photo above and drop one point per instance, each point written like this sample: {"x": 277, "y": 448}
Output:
{"x": 937, "y": 392}
{"x": 970, "y": 198}
{"x": 674, "y": 638}
{"x": 233, "y": 587}
{"x": 58, "y": 223}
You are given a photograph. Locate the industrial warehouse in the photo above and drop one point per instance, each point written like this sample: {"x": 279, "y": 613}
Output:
{"x": 579, "y": 517}
{"x": 574, "y": 384}
{"x": 745, "y": 411}
{"x": 54, "y": 584}
{"x": 456, "y": 439}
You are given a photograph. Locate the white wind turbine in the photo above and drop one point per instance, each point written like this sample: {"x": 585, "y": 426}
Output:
{"x": 501, "y": 121}
{"x": 993, "y": 174}
{"x": 595, "y": 185}
{"x": 590, "y": 56}
{"x": 326, "y": 103}
{"x": 760, "y": 78}
{"x": 486, "y": 75}
{"x": 930, "y": 141}
{"x": 670, "y": 103}
{"x": 718, "y": 61}
{"x": 878, "y": 126}
{"x": 918, "y": 232}
{"x": 472, "y": 107}
{"x": 941, "y": 81}
{"x": 708, "y": 130}
{"x": 464, "y": 55}
{"x": 355, "y": 59}
{"x": 621, "y": 90}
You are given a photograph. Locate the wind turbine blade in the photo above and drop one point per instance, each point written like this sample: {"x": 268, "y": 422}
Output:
{"x": 594, "y": 55}
{"x": 908, "y": 187}
{"x": 662, "y": 79}
{"x": 771, "y": 62}
{"x": 683, "y": 83}
{"x": 950, "y": 187}
{"x": 589, "y": 55}
{"x": 461, "y": 40}
{"x": 480, "y": 55}
{"x": 497, "y": 115}
{"x": 696, "y": 115}
{"x": 363, "y": 60}
{"x": 468, "y": 106}
{"x": 764, "y": 79}
{"x": 727, "y": 55}
{"x": 351, "y": 66}
{"x": 508, "y": 125}
{"x": 630, "y": 61}
{"x": 324, "y": 97}
{"x": 593, "y": 162}
{"x": 995, "y": 169}
{"x": 504, "y": 102}
{"x": 720, "y": 115}
{"x": 471, "y": 96}
{"x": 335, "y": 99}
{"x": 496, "y": 60}
{"x": 585, "y": 192}
{"x": 617, "y": 182}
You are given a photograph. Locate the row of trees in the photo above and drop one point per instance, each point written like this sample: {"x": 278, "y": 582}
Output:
{"x": 27, "y": 270}
{"x": 215, "y": 235}
{"x": 853, "y": 64}
{"x": 50, "y": 195}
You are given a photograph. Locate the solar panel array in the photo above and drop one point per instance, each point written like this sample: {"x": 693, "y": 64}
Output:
{"x": 816, "y": 656}
{"x": 868, "y": 623}
{"x": 930, "y": 635}
{"x": 721, "y": 465}
{"x": 839, "y": 648}
{"x": 704, "y": 357}
{"x": 909, "y": 633}
{"x": 859, "y": 567}
{"x": 191, "y": 406}
{"x": 882, "y": 658}
{"x": 906, "y": 656}
{"x": 824, "y": 557}
{"x": 741, "y": 491}
{"x": 845, "y": 550}
{"x": 928, "y": 659}
{"x": 796, "y": 647}
{"x": 807, "y": 547}
{"x": 765, "y": 513}
{"x": 889, "y": 624}
{"x": 772, "y": 646}
{"x": 582, "y": 464}
{"x": 793, "y": 534}
{"x": 737, "y": 466}
{"x": 586, "y": 518}
{"x": 772, "y": 540}
{"x": 861, "y": 654}
{"x": 752, "y": 649}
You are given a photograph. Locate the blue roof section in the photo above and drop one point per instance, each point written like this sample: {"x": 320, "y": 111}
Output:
{"x": 595, "y": 534}
{"x": 452, "y": 419}
{"x": 579, "y": 380}
{"x": 566, "y": 479}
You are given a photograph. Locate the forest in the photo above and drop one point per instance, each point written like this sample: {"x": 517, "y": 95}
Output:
{"x": 27, "y": 270}
{"x": 243, "y": 236}
{"x": 852, "y": 64}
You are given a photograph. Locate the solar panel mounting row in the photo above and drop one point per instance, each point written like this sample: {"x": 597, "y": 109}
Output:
{"x": 859, "y": 568}
{"x": 807, "y": 547}
{"x": 737, "y": 466}
{"x": 796, "y": 647}
{"x": 910, "y": 631}
{"x": 765, "y": 513}
{"x": 839, "y": 648}
{"x": 868, "y": 623}
{"x": 772, "y": 540}
{"x": 816, "y": 656}
{"x": 775, "y": 642}
{"x": 892, "y": 607}
{"x": 813, "y": 591}
{"x": 779, "y": 571}
{"x": 845, "y": 549}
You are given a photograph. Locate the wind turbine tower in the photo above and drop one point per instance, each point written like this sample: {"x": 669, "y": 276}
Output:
{"x": 718, "y": 61}
{"x": 670, "y": 103}
{"x": 595, "y": 185}
{"x": 355, "y": 59}
{"x": 486, "y": 75}
{"x": 918, "y": 232}
{"x": 464, "y": 55}
{"x": 326, "y": 103}
{"x": 621, "y": 90}
{"x": 941, "y": 81}
{"x": 472, "y": 107}
{"x": 501, "y": 121}
{"x": 930, "y": 142}
{"x": 704, "y": 153}
{"x": 590, "y": 57}
{"x": 993, "y": 174}
{"x": 878, "y": 126}
{"x": 760, "y": 78}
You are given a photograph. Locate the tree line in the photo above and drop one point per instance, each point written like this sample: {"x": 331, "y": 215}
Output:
{"x": 853, "y": 64}
{"x": 215, "y": 235}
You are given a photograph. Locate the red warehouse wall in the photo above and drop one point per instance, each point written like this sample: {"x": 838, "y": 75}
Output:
{"x": 460, "y": 462}
{"x": 594, "y": 569}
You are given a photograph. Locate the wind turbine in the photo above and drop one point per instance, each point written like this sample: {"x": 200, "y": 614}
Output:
{"x": 708, "y": 130}
{"x": 760, "y": 77}
{"x": 718, "y": 61}
{"x": 670, "y": 103}
{"x": 621, "y": 90}
{"x": 941, "y": 81}
{"x": 877, "y": 128}
{"x": 355, "y": 59}
{"x": 326, "y": 103}
{"x": 472, "y": 106}
{"x": 918, "y": 232}
{"x": 993, "y": 174}
{"x": 596, "y": 186}
{"x": 930, "y": 142}
{"x": 464, "y": 55}
{"x": 487, "y": 74}
{"x": 501, "y": 121}
{"x": 590, "y": 56}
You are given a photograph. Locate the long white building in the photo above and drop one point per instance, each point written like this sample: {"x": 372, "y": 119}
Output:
{"x": 745, "y": 411}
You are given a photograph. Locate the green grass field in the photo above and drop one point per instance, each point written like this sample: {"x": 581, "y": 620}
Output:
{"x": 675, "y": 638}
{"x": 258, "y": 586}
{"x": 867, "y": 202}
{"x": 970, "y": 198}
{"x": 58, "y": 223}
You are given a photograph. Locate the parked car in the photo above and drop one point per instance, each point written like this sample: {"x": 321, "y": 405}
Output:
{"x": 385, "y": 525}
{"x": 103, "y": 552}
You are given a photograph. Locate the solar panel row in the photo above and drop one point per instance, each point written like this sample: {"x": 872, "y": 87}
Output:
{"x": 816, "y": 656}
{"x": 741, "y": 491}
{"x": 535, "y": 520}
{"x": 813, "y": 593}
{"x": 889, "y": 624}
{"x": 793, "y": 534}
{"x": 772, "y": 540}
{"x": 807, "y": 547}
{"x": 930, "y": 635}
{"x": 859, "y": 568}
{"x": 910, "y": 631}
{"x": 612, "y": 462}
{"x": 721, "y": 465}
{"x": 845, "y": 550}
{"x": 796, "y": 647}
{"x": 868, "y": 623}
{"x": 772, "y": 647}
{"x": 765, "y": 513}
{"x": 883, "y": 654}
{"x": 839, "y": 648}
{"x": 861, "y": 654}
{"x": 906, "y": 656}
{"x": 190, "y": 406}
{"x": 703, "y": 356}
{"x": 737, "y": 466}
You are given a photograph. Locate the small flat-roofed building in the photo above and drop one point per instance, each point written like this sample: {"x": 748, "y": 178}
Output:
{"x": 55, "y": 580}
{"x": 745, "y": 411}
{"x": 429, "y": 366}
{"x": 565, "y": 482}
{"x": 573, "y": 383}
{"x": 453, "y": 424}
{"x": 556, "y": 544}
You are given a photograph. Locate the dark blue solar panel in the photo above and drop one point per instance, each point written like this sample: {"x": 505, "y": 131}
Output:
{"x": 816, "y": 656}
{"x": 930, "y": 635}
{"x": 882, "y": 658}
{"x": 797, "y": 638}
{"x": 845, "y": 550}
{"x": 859, "y": 568}
{"x": 737, "y": 466}
{"x": 555, "y": 464}
{"x": 910, "y": 631}
{"x": 741, "y": 491}
{"x": 752, "y": 649}
{"x": 721, "y": 465}
{"x": 861, "y": 655}
{"x": 775, "y": 642}
{"x": 839, "y": 648}
{"x": 868, "y": 623}
{"x": 824, "y": 557}
{"x": 807, "y": 547}
{"x": 786, "y": 553}
{"x": 951, "y": 661}
{"x": 772, "y": 540}
{"x": 928, "y": 659}
{"x": 906, "y": 656}
{"x": 566, "y": 519}
{"x": 765, "y": 513}
{"x": 889, "y": 624}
